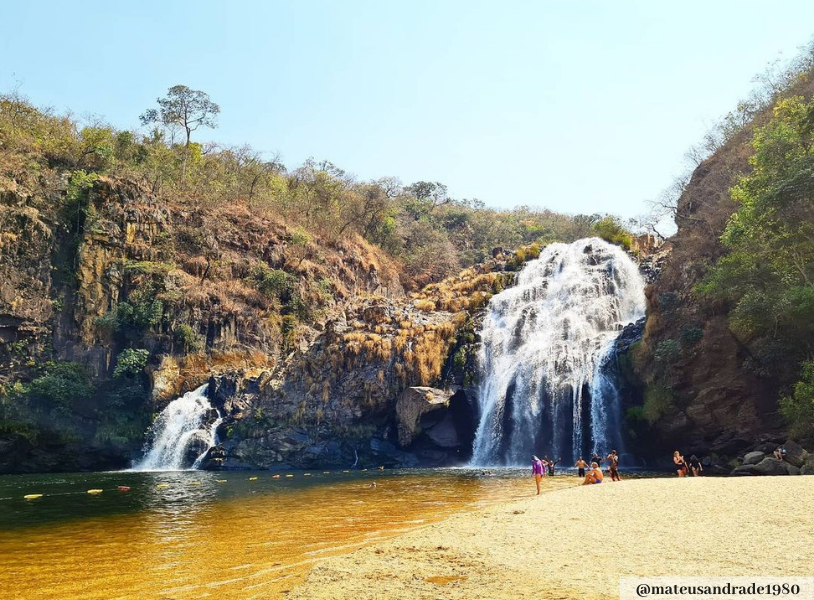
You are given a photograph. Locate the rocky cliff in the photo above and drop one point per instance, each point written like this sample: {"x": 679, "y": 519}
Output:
{"x": 90, "y": 268}
{"x": 700, "y": 392}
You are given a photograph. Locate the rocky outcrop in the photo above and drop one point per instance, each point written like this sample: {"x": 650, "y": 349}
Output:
{"x": 703, "y": 393}
{"x": 127, "y": 271}
{"x": 414, "y": 403}
{"x": 796, "y": 461}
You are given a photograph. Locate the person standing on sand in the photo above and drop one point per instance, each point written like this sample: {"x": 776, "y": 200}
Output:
{"x": 613, "y": 466}
{"x": 681, "y": 464}
{"x": 537, "y": 470}
{"x": 594, "y": 475}
{"x": 580, "y": 465}
{"x": 695, "y": 466}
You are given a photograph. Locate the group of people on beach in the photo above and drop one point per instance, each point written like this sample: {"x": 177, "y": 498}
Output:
{"x": 591, "y": 473}
{"x": 684, "y": 468}
{"x": 595, "y": 475}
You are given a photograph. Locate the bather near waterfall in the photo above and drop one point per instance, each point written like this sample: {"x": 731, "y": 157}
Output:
{"x": 547, "y": 376}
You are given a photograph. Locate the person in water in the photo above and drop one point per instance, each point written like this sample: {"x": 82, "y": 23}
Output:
{"x": 596, "y": 459}
{"x": 580, "y": 465}
{"x": 537, "y": 470}
{"x": 613, "y": 466}
{"x": 680, "y": 463}
{"x": 695, "y": 466}
{"x": 594, "y": 475}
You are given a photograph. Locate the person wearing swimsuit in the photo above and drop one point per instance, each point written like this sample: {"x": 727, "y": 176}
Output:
{"x": 681, "y": 465}
{"x": 594, "y": 475}
{"x": 695, "y": 466}
{"x": 537, "y": 470}
{"x": 613, "y": 466}
{"x": 580, "y": 465}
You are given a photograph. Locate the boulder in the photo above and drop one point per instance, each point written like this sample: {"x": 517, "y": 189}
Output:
{"x": 412, "y": 404}
{"x": 444, "y": 433}
{"x": 771, "y": 466}
{"x": 808, "y": 466}
{"x": 753, "y": 458}
{"x": 744, "y": 470}
{"x": 795, "y": 453}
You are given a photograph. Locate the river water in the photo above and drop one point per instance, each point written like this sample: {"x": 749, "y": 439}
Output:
{"x": 180, "y": 535}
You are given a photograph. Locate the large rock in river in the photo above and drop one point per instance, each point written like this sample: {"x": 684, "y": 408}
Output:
{"x": 412, "y": 404}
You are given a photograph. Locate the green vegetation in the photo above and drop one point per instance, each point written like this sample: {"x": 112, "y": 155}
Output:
{"x": 798, "y": 408}
{"x": 767, "y": 278}
{"x": 432, "y": 234}
{"x": 611, "y": 230}
{"x": 130, "y": 363}
{"x": 186, "y": 338}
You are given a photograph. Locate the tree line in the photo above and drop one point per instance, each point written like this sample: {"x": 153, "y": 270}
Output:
{"x": 420, "y": 224}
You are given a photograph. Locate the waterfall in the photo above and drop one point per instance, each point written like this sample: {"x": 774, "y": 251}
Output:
{"x": 179, "y": 433}
{"x": 547, "y": 363}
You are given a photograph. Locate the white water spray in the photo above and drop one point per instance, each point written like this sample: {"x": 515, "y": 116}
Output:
{"x": 180, "y": 425}
{"x": 547, "y": 344}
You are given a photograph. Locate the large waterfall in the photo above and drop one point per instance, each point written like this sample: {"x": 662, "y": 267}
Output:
{"x": 547, "y": 384}
{"x": 181, "y": 434}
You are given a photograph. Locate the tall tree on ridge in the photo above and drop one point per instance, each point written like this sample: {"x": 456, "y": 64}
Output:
{"x": 186, "y": 108}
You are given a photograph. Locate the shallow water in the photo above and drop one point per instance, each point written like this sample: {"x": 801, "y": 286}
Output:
{"x": 197, "y": 538}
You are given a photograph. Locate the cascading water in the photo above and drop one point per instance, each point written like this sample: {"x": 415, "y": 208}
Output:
{"x": 547, "y": 383}
{"x": 179, "y": 429}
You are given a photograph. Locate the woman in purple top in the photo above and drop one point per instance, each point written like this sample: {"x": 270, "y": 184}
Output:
{"x": 538, "y": 470}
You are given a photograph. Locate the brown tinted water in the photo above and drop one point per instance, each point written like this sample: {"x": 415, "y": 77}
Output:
{"x": 197, "y": 538}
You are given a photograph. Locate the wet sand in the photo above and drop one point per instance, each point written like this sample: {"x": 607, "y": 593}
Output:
{"x": 577, "y": 542}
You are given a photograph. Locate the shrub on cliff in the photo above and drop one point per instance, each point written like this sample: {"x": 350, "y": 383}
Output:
{"x": 768, "y": 275}
{"x": 798, "y": 408}
{"x": 130, "y": 363}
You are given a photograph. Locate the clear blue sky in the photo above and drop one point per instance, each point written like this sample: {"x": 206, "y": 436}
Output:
{"x": 576, "y": 106}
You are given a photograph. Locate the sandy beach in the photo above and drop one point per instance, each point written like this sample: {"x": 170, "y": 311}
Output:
{"x": 577, "y": 542}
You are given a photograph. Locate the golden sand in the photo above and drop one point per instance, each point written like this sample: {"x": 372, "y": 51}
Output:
{"x": 577, "y": 542}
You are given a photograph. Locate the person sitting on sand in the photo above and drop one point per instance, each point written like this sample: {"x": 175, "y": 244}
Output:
{"x": 695, "y": 466}
{"x": 681, "y": 465}
{"x": 580, "y": 465}
{"x": 594, "y": 475}
{"x": 613, "y": 466}
{"x": 537, "y": 470}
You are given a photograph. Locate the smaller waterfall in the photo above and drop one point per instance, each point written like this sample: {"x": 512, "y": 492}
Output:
{"x": 181, "y": 428}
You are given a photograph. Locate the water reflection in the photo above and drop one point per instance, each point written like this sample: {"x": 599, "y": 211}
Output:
{"x": 197, "y": 538}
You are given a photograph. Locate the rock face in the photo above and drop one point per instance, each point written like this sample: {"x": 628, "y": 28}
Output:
{"x": 700, "y": 393}
{"x": 143, "y": 274}
{"x": 414, "y": 403}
